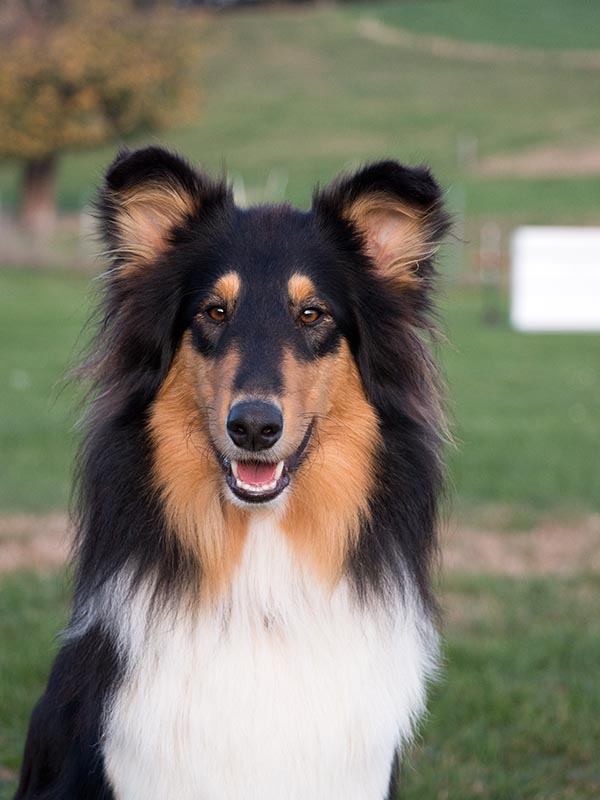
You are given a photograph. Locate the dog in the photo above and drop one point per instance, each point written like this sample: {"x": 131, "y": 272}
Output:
{"x": 258, "y": 490}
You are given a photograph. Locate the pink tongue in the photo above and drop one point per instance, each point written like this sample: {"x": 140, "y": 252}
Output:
{"x": 256, "y": 474}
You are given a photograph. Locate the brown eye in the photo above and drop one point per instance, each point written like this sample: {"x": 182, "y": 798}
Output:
{"x": 216, "y": 313}
{"x": 310, "y": 315}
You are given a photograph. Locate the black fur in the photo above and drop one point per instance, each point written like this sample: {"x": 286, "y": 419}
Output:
{"x": 399, "y": 377}
{"x": 144, "y": 314}
{"x": 62, "y": 758}
{"x": 394, "y": 787}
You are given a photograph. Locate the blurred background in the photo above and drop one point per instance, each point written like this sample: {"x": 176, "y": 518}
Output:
{"x": 502, "y": 100}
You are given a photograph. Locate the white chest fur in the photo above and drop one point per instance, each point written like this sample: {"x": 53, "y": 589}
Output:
{"x": 284, "y": 691}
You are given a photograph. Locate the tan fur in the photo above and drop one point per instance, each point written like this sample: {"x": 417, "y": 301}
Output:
{"x": 147, "y": 214}
{"x": 228, "y": 288}
{"x": 300, "y": 289}
{"x": 213, "y": 382}
{"x": 329, "y": 494}
{"x": 187, "y": 473}
{"x": 397, "y": 237}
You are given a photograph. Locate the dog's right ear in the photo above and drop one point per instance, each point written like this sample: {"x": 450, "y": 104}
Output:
{"x": 147, "y": 195}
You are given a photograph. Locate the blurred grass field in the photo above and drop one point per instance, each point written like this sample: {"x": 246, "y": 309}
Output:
{"x": 291, "y": 97}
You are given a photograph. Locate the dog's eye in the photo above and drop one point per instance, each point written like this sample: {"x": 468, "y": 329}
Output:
{"x": 217, "y": 313}
{"x": 310, "y": 315}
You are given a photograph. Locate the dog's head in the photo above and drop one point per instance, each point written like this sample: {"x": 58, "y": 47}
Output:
{"x": 268, "y": 346}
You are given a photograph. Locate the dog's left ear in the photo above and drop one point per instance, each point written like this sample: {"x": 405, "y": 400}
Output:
{"x": 398, "y": 214}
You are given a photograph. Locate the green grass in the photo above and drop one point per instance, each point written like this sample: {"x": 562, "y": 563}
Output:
{"x": 300, "y": 92}
{"x": 524, "y": 407}
{"x": 525, "y": 410}
{"x": 514, "y": 716}
{"x": 534, "y": 202}
{"x": 41, "y": 316}
{"x": 32, "y": 612}
{"x": 554, "y": 24}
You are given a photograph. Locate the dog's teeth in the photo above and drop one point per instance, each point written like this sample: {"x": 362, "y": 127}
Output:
{"x": 234, "y": 469}
{"x": 278, "y": 471}
{"x": 248, "y": 487}
{"x": 262, "y": 488}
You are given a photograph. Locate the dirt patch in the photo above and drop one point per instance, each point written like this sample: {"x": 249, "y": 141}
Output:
{"x": 7, "y": 774}
{"x": 547, "y": 549}
{"x": 41, "y": 542}
{"x": 477, "y": 52}
{"x": 30, "y": 541}
{"x": 543, "y": 162}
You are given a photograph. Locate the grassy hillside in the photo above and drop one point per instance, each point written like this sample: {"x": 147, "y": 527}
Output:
{"x": 556, "y": 24}
{"x": 300, "y": 94}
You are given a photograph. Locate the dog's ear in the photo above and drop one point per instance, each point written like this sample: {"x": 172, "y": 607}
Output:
{"x": 147, "y": 195}
{"x": 398, "y": 214}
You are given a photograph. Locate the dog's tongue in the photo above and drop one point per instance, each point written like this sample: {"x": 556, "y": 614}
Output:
{"x": 256, "y": 474}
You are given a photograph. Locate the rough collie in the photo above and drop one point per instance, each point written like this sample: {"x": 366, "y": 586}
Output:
{"x": 257, "y": 494}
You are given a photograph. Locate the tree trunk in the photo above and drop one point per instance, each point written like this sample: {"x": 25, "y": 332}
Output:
{"x": 38, "y": 196}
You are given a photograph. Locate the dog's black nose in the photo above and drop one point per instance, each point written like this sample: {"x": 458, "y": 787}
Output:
{"x": 254, "y": 424}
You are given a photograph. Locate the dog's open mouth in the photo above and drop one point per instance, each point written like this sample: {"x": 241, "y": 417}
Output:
{"x": 255, "y": 481}
{"x": 262, "y": 481}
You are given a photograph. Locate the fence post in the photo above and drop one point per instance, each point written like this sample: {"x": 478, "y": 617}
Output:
{"x": 490, "y": 272}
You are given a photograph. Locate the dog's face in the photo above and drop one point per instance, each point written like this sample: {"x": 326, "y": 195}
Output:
{"x": 266, "y": 349}
{"x": 252, "y": 322}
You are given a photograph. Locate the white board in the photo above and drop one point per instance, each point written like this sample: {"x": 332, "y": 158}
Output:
{"x": 555, "y": 279}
